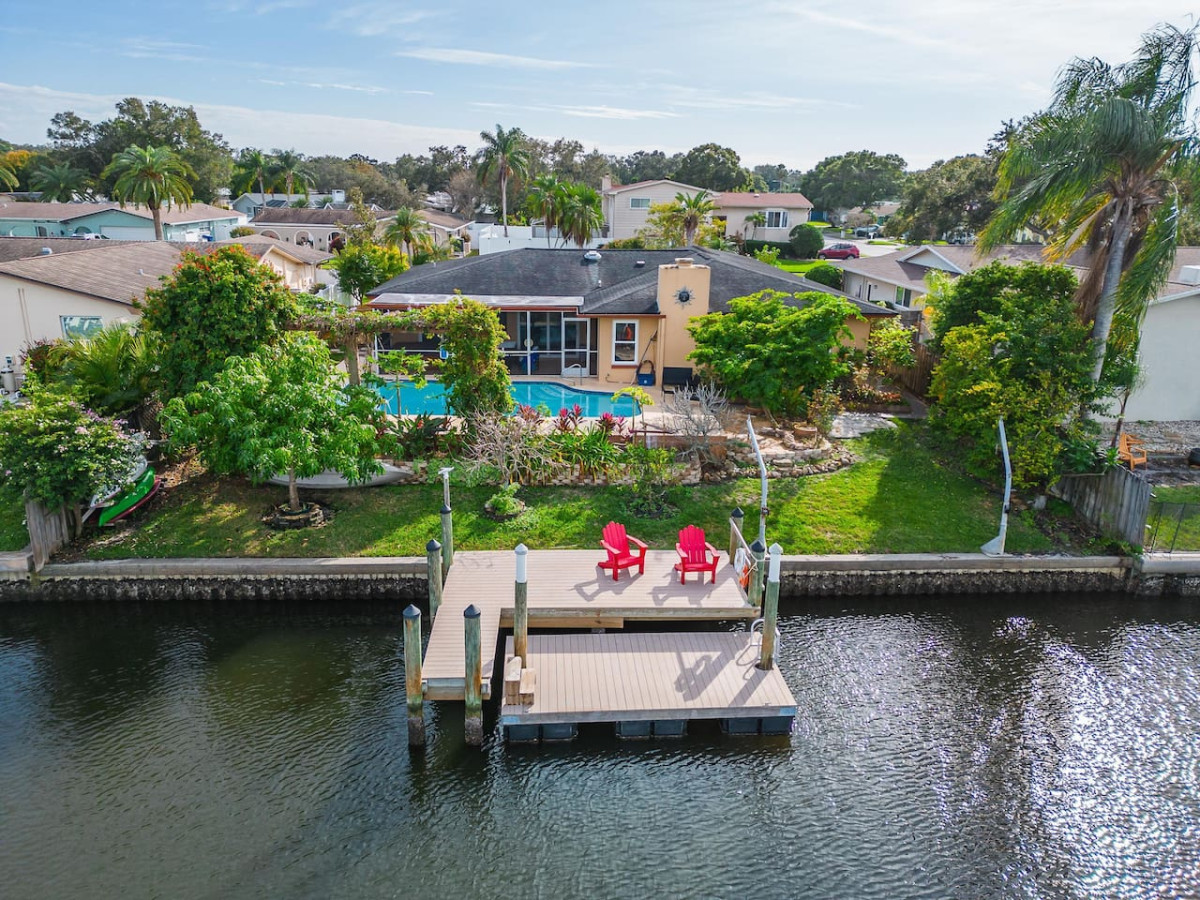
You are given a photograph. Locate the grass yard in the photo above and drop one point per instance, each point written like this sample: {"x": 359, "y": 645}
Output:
{"x": 799, "y": 266}
{"x": 896, "y": 499}
{"x": 1179, "y": 526}
{"x": 13, "y": 535}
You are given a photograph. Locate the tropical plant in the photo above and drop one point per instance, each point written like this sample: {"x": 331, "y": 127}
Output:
{"x": 215, "y": 305}
{"x": 290, "y": 167}
{"x": 773, "y": 354}
{"x": 111, "y": 372}
{"x": 476, "y": 379}
{"x": 1110, "y": 160}
{"x": 504, "y": 153}
{"x": 579, "y": 217}
{"x": 151, "y": 176}
{"x": 755, "y": 221}
{"x": 280, "y": 409}
{"x": 692, "y": 210}
{"x": 362, "y": 267}
{"x": 545, "y": 201}
{"x": 253, "y": 167}
{"x": 410, "y": 230}
{"x": 61, "y": 182}
{"x": 8, "y": 178}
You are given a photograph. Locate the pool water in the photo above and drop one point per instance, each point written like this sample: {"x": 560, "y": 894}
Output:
{"x": 432, "y": 399}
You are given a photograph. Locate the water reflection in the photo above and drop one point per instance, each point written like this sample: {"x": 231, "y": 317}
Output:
{"x": 984, "y": 747}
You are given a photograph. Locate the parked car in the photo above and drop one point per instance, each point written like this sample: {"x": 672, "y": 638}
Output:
{"x": 867, "y": 231}
{"x": 838, "y": 251}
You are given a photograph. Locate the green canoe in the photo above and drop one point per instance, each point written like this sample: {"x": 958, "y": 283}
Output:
{"x": 142, "y": 488}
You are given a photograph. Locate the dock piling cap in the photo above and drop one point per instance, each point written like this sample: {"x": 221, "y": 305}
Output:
{"x": 432, "y": 546}
{"x": 471, "y": 612}
{"x": 737, "y": 513}
{"x": 758, "y": 547}
{"x": 412, "y": 612}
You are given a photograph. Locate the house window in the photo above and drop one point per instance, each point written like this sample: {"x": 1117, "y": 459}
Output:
{"x": 76, "y": 327}
{"x": 639, "y": 202}
{"x": 903, "y": 296}
{"x": 777, "y": 218}
{"x": 625, "y": 342}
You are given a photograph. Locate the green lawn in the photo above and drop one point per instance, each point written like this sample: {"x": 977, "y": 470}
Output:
{"x": 13, "y": 535}
{"x": 896, "y": 499}
{"x": 799, "y": 266}
{"x": 1180, "y": 524}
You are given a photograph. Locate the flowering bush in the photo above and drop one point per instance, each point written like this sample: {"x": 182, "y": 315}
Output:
{"x": 57, "y": 452}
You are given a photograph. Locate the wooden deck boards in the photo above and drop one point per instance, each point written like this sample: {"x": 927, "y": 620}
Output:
{"x": 637, "y": 677}
{"x": 566, "y": 589}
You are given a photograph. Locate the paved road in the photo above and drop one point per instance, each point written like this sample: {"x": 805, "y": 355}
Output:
{"x": 864, "y": 248}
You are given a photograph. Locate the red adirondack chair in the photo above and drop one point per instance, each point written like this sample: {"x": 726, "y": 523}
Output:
{"x": 620, "y": 555}
{"x": 695, "y": 554}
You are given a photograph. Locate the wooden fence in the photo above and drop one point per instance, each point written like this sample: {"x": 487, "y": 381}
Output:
{"x": 1117, "y": 502}
{"x": 48, "y": 532}
{"x": 917, "y": 376}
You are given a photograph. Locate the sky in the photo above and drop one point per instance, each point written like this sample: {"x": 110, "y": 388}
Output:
{"x": 779, "y": 81}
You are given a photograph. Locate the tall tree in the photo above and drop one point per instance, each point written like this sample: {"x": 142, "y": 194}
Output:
{"x": 692, "y": 210}
{"x": 858, "y": 178}
{"x": 713, "y": 167}
{"x": 643, "y": 165}
{"x": 8, "y": 178}
{"x": 151, "y": 176}
{"x": 505, "y": 154}
{"x": 408, "y": 229}
{"x": 62, "y": 182}
{"x": 580, "y": 213}
{"x": 545, "y": 201}
{"x": 1109, "y": 159}
{"x": 951, "y": 195}
{"x": 289, "y": 166}
{"x": 252, "y": 167}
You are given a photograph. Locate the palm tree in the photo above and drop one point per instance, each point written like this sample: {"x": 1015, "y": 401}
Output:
{"x": 410, "y": 230}
{"x": 505, "y": 154}
{"x": 1109, "y": 160}
{"x": 545, "y": 201}
{"x": 691, "y": 210}
{"x": 253, "y": 166}
{"x": 112, "y": 370}
{"x": 579, "y": 216}
{"x": 289, "y": 165}
{"x": 152, "y": 176}
{"x": 755, "y": 221}
{"x": 61, "y": 182}
{"x": 8, "y": 178}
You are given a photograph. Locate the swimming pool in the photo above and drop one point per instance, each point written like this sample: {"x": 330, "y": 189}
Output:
{"x": 554, "y": 396}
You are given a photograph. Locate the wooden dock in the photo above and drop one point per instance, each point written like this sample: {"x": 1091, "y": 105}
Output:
{"x": 566, "y": 590}
{"x": 648, "y": 684}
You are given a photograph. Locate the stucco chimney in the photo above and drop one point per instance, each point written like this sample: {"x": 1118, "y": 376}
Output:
{"x": 605, "y": 183}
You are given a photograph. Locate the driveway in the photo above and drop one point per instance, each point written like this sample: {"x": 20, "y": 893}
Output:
{"x": 866, "y": 249}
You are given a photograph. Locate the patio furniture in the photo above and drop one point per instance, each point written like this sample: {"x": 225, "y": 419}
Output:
{"x": 1132, "y": 450}
{"x": 620, "y": 555}
{"x": 675, "y": 377}
{"x": 695, "y": 554}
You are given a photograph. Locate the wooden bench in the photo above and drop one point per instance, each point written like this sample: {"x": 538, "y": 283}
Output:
{"x": 1131, "y": 450}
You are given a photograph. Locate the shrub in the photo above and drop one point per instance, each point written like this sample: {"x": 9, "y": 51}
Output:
{"x": 242, "y": 231}
{"x": 768, "y": 255}
{"x": 830, "y": 276}
{"x": 806, "y": 241}
{"x": 784, "y": 249}
{"x": 629, "y": 243}
{"x": 651, "y": 471}
{"x": 504, "y": 502}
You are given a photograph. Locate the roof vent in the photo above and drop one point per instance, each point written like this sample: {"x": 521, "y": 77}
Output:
{"x": 684, "y": 262}
{"x": 592, "y": 256}
{"x": 141, "y": 271}
{"x": 1190, "y": 274}
{"x": 46, "y": 251}
{"x": 639, "y": 264}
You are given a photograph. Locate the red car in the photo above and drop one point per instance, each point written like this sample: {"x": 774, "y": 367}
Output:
{"x": 838, "y": 251}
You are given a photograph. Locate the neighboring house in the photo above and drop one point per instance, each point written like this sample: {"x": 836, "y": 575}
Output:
{"x": 627, "y": 206}
{"x": 299, "y": 265}
{"x": 250, "y": 204}
{"x": 444, "y": 225}
{"x": 321, "y": 229}
{"x": 491, "y": 238}
{"x": 879, "y": 213}
{"x": 25, "y": 247}
{"x": 782, "y": 212}
{"x": 197, "y": 222}
{"x": 568, "y": 312}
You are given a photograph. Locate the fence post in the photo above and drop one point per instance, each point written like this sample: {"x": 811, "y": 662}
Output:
{"x": 447, "y": 538}
{"x": 473, "y": 690}
{"x": 521, "y": 616}
{"x": 736, "y": 518}
{"x": 755, "y": 592}
{"x": 413, "y": 684}
{"x": 771, "y": 611}
{"x": 433, "y": 567}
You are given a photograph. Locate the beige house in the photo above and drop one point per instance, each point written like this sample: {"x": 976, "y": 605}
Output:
{"x": 608, "y": 315}
{"x": 299, "y": 265}
{"x": 781, "y": 213}
{"x": 319, "y": 229}
{"x": 627, "y": 206}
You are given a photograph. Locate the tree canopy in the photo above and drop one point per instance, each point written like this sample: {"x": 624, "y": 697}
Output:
{"x": 152, "y": 176}
{"x": 950, "y": 196}
{"x": 858, "y": 178}
{"x": 713, "y": 167}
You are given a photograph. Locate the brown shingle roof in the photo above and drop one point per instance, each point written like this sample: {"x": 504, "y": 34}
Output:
{"x": 25, "y": 247}
{"x": 892, "y": 269}
{"x": 289, "y": 216}
{"x": 121, "y": 273}
{"x": 257, "y": 245}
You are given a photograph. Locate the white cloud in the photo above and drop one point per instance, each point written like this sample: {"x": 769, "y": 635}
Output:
{"x": 482, "y": 58}
{"x": 584, "y": 112}
{"x": 373, "y": 19}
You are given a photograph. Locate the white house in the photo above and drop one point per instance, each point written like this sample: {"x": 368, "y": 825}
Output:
{"x": 781, "y": 213}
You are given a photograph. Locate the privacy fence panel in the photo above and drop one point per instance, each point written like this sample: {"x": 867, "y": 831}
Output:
{"x": 917, "y": 376}
{"x": 48, "y": 531}
{"x": 1117, "y": 502}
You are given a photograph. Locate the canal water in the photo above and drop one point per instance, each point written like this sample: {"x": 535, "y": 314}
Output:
{"x": 978, "y": 747}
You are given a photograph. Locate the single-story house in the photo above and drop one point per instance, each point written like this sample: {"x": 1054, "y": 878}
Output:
{"x": 602, "y": 314}
{"x": 24, "y": 247}
{"x": 444, "y": 225}
{"x": 1170, "y": 330}
{"x": 782, "y": 213}
{"x": 322, "y": 229}
{"x": 249, "y": 204}
{"x": 74, "y": 291}
{"x": 133, "y": 222}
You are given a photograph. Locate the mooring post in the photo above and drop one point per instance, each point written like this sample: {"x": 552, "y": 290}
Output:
{"x": 759, "y": 551}
{"x": 473, "y": 693}
{"x": 447, "y": 539}
{"x": 771, "y": 610}
{"x": 521, "y": 616}
{"x": 414, "y": 687}
{"x": 433, "y": 567}
{"x": 736, "y": 518}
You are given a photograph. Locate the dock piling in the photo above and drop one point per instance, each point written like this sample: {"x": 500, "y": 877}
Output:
{"x": 473, "y": 728}
{"x": 754, "y": 595}
{"x": 736, "y": 518}
{"x": 447, "y": 539}
{"x": 521, "y": 615}
{"x": 771, "y": 610}
{"x": 433, "y": 564}
{"x": 413, "y": 685}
